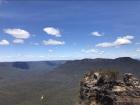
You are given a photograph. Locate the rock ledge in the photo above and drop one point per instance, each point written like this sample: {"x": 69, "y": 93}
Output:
{"x": 99, "y": 89}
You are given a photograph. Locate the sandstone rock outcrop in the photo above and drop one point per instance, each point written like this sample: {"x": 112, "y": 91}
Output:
{"x": 98, "y": 89}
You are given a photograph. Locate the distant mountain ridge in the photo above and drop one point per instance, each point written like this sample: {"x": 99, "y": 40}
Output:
{"x": 122, "y": 64}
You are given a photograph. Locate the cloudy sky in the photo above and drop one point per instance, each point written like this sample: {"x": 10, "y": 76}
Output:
{"x": 54, "y": 30}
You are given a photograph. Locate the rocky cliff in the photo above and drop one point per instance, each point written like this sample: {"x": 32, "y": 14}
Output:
{"x": 97, "y": 88}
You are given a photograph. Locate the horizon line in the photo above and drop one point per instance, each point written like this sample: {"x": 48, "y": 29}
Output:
{"x": 66, "y": 59}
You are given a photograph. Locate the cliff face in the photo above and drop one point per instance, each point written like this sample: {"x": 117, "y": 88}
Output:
{"x": 98, "y": 89}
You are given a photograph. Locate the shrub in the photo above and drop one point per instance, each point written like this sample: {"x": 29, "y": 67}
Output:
{"x": 110, "y": 74}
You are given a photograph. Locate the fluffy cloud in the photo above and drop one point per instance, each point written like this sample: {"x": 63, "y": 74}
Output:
{"x": 20, "y": 41}
{"x": 17, "y": 33}
{"x": 4, "y": 42}
{"x": 118, "y": 42}
{"x": 96, "y": 33}
{"x": 53, "y": 42}
{"x": 52, "y": 31}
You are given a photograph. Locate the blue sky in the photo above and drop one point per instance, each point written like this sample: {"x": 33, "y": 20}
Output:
{"x": 54, "y": 30}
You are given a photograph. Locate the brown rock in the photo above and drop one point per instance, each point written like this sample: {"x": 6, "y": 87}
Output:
{"x": 97, "y": 89}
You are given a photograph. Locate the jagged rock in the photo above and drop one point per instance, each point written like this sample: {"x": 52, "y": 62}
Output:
{"x": 130, "y": 80}
{"x": 98, "y": 89}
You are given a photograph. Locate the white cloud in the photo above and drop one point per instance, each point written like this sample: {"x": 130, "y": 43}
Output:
{"x": 89, "y": 50}
{"x": 92, "y": 51}
{"x": 4, "y": 42}
{"x": 52, "y": 31}
{"x": 101, "y": 52}
{"x": 118, "y": 42}
{"x": 138, "y": 50}
{"x": 122, "y": 41}
{"x": 41, "y": 56}
{"x": 137, "y": 43}
{"x": 20, "y": 41}
{"x": 129, "y": 37}
{"x": 105, "y": 44}
{"x": 27, "y": 56}
{"x": 95, "y": 33}
{"x": 53, "y": 42}
{"x": 17, "y": 33}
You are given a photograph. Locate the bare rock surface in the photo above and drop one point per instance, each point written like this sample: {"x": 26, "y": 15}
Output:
{"x": 97, "y": 88}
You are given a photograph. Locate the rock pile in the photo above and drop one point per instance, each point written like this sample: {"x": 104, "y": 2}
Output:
{"x": 98, "y": 89}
